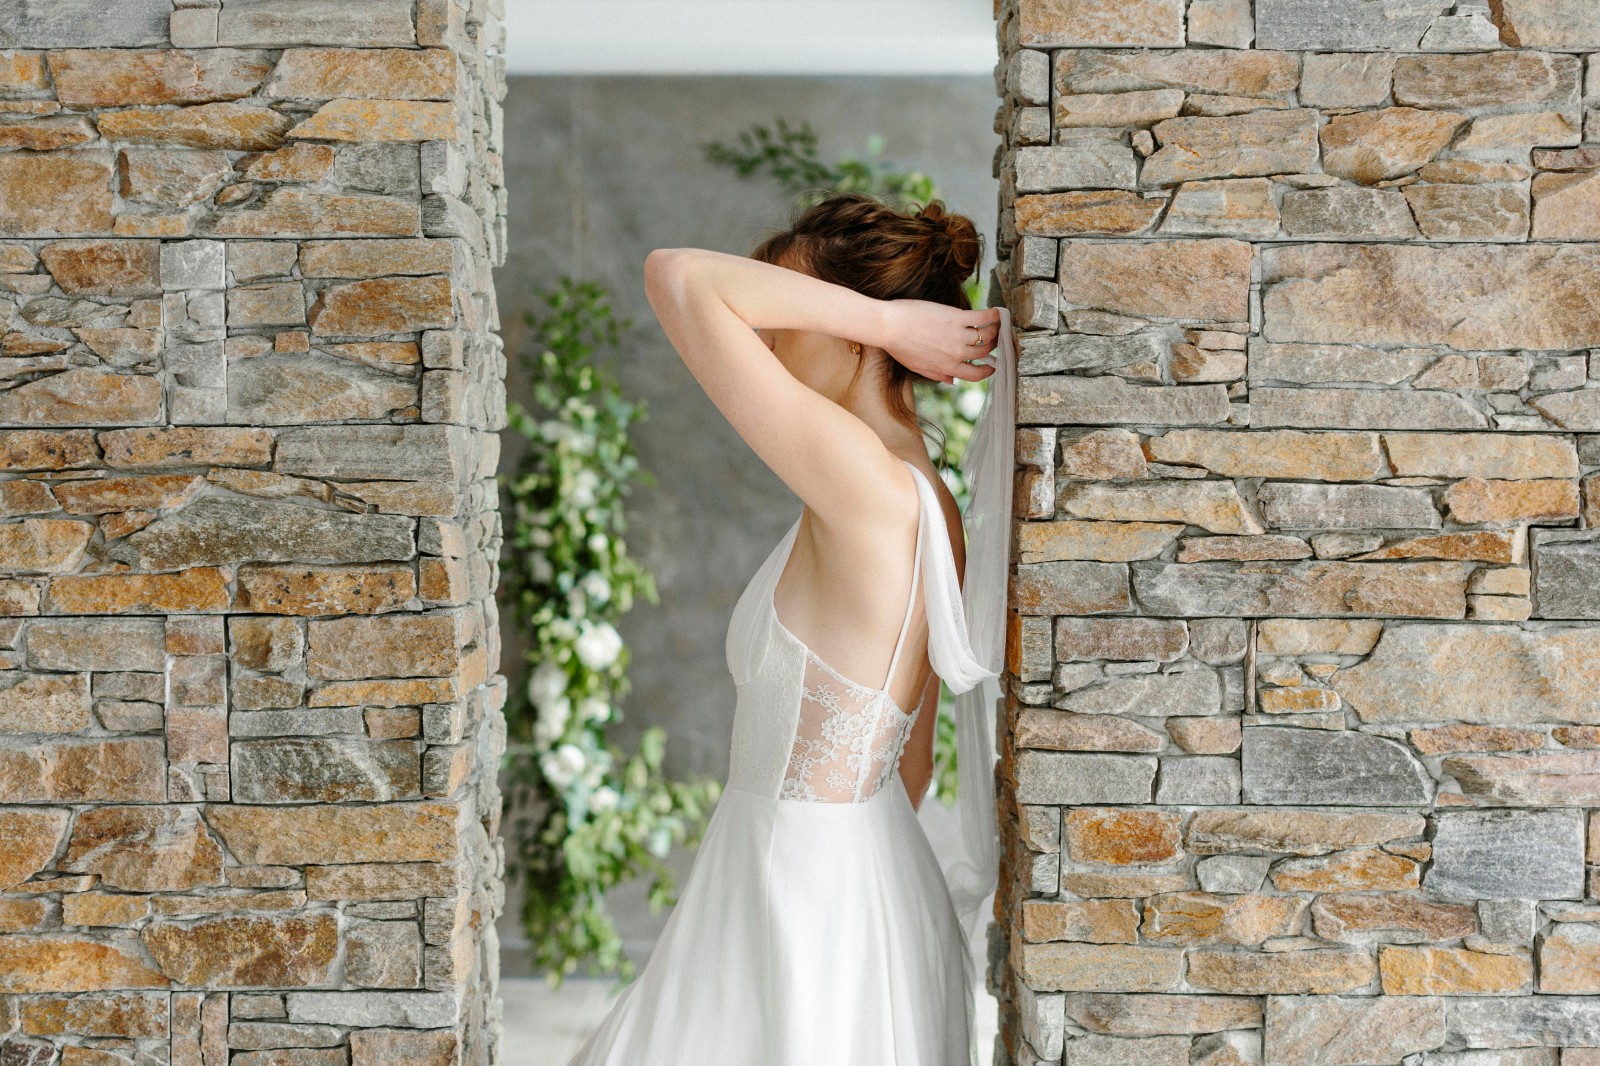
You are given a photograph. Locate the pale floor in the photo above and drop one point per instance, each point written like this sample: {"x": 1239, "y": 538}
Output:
{"x": 545, "y": 1026}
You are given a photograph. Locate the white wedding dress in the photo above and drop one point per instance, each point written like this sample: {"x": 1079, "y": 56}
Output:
{"x": 815, "y": 927}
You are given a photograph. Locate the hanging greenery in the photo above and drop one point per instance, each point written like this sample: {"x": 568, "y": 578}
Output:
{"x": 586, "y": 815}
{"x": 788, "y": 154}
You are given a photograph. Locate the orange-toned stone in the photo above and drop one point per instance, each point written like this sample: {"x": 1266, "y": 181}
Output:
{"x": 176, "y": 224}
{"x": 389, "y": 73}
{"x": 1482, "y": 500}
{"x": 1437, "y": 971}
{"x": 31, "y": 200}
{"x": 1067, "y": 967}
{"x": 240, "y": 127}
{"x": 384, "y": 305}
{"x": 23, "y": 915}
{"x": 28, "y": 839}
{"x": 414, "y": 1047}
{"x": 1576, "y": 736}
{"x": 1122, "y": 885}
{"x": 1208, "y": 918}
{"x": 165, "y": 446}
{"x": 1122, "y": 836}
{"x": 126, "y": 1014}
{"x": 1105, "y": 212}
{"x": 375, "y": 258}
{"x": 302, "y": 590}
{"x": 145, "y": 849}
{"x": 292, "y": 212}
{"x": 105, "y": 77}
{"x": 22, "y": 73}
{"x": 128, "y": 493}
{"x": 43, "y": 703}
{"x": 1390, "y": 916}
{"x": 1355, "y": 870}
{"x": 60, "y": 963}
{"x": 297, "y": 162}
{"x": 380, "y": 120}
{"x": 45, "y": 449}
{"x": 1299, "y": 700}
{"x": 171, "y": 179}
{"x": 387, "y": 692}
{"x": 1320, "y": 971}
{"x": 1489, "y": 546}
{"x": 83, "y": 396}
{"x": 1095, "y": 921}
{"x": 319, "y": 834}
{"x": 1459, "y": 736}
{"x": 45, "y": 134}
{"x": 203, "y": 588}
{"x": 119, "y": 770}
{"x": 247, "y": 951}
{"x": 1205, "y": 735}
{"x": 43, "y": 545}
{"x": 104, "y": 908}
{"x": 383, "y": 880}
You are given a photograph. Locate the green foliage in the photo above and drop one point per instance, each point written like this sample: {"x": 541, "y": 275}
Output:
{"x": 587, "y": 816}
{"x": 788, "y": 155}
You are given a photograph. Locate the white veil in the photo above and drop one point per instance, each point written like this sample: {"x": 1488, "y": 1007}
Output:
{"x": 969, "y": 656}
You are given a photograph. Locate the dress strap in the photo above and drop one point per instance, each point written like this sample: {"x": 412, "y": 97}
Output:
{"x": 916, "y": 576}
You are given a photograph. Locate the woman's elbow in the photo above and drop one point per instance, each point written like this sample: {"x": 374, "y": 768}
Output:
{"x": 664, "y": 271}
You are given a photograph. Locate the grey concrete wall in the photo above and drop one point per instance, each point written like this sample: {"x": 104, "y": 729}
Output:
{"x": 600, "y": 171}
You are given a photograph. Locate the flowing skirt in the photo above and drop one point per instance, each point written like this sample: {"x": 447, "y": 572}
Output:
{"x": 806, "y": 934}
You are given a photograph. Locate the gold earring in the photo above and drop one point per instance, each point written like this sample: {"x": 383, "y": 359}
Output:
{"x": 855, "y": 347}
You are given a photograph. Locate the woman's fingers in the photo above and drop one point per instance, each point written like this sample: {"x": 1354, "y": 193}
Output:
{"x": 973, "y": 371}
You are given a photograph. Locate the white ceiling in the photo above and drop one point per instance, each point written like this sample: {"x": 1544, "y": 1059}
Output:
{"x": 750, "y": 36}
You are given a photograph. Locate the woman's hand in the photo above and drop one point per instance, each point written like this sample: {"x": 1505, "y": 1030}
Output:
{"x": 937, "y": 340}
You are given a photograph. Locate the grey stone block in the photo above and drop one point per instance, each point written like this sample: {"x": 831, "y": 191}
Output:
{"x": 1073, "y": 777}
{"x": 1199, "y": 780}
{"x": 1320, "y": 767}
{"x": 1297, "y": 505}
{"x": 1511, "y": 1021}
{"x": 83, "y": 23}
{"x": 1566, "y": 574}
{"x": 194, "y": 265}
{"x": 1072, "y": 351}
{"x": 1345, "y": 25}
{"x": 419, "y": 1010}
{"x": 1081, "y": 166}
{"x": 1232, "y": 874}
{"x": 1508, "y": 854}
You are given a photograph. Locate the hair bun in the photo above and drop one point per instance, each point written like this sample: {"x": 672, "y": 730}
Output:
{"x": 961, "y": 249}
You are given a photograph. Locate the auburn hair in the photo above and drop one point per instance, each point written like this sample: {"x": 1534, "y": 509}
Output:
{"x": 864, "y": 244}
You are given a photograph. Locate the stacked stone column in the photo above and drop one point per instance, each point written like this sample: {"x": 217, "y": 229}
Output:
{"x": 249, "y": 708}
{"x": 1302, "y": 741}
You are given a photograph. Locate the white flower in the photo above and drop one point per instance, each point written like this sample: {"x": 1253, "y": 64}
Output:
{"x": 969, "y": 403}
{"x": 562, "y": 629}
{"x": 562, "y": 766}
{"x": 593, "y": 709}
{"x": 598, "y": 645}
{"x": 553, "y": 718}
{"x": 540, "y": 537}
{"x": 546, "y": 684}
{"x": 604, "y": 799}
{"x": 596, "y": 587}
{"x": 577, "y": 603}
{"x": 584, "y": 485}
{"x": 659, "y": 842}
{"x": 540, "y": 568}
{"x": 598, "y": 542}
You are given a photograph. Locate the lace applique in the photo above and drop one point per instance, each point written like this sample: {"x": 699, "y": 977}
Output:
{"x": 848, "y": 741}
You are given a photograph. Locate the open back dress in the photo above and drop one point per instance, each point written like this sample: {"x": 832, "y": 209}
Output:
{"x": 815, "y": 927}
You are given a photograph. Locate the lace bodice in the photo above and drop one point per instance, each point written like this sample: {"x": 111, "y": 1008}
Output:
{"x": 803, "y": 730}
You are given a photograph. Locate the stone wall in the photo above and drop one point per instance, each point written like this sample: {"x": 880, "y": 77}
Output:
{"x": 249, "y": 710}
{"x": 1301, "y": 758}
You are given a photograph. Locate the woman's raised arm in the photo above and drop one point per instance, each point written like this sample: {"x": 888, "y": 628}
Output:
{"x": 709, "y": 304}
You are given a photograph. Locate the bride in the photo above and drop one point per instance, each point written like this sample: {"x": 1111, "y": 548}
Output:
{"x": 816, "y": 927}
